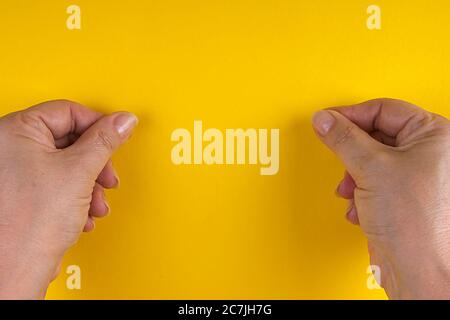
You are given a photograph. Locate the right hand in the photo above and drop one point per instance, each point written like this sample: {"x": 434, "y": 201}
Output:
{"x": 397, "y": 157}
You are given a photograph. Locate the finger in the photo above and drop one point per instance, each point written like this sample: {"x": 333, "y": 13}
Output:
{"x": 99, "y": 207}
{"x": 352, "y": 213}
{"x": 95, "y": 147}
{"x": 90, "y": 224}
{"x": 388, "y": 116}
{"x": 346, "y": 189}
{"x": 61, "y": 118}
{"x": 108, "y": 177}
{"x": 66, "y": 141}
{"x": 384, "y": 138}
{"x": 353, "y": 146}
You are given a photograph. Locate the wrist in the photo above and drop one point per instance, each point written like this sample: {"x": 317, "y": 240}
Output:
{"x": 25, "y": 271}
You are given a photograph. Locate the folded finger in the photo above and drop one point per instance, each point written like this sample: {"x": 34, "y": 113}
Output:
{"x": 108, "y": 178}
{"x": 99, "y": 208}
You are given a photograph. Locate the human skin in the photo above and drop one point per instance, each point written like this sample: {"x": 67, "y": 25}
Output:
{"x": 397, "y": 158}
{"x": 54, "y": 166}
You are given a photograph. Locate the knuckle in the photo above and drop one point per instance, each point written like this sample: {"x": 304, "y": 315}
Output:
{"x": 63, "y": 103}
{"x": 27, "y": 120}
{"x": 383, "y": 101}
{"x": 432, "y": 124}
{"x": 104, "y": 140}
{"x": 344, "y": 136}
{"x": 441, "y": 123}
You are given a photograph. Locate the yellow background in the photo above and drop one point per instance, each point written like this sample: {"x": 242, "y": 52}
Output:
{"x": 223, "y": 231}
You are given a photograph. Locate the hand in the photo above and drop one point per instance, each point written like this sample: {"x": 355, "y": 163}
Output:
{"x": 54, "y": 165}
{"x": 398, "y": 183}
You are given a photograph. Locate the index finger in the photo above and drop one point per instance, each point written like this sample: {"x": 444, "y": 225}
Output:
{"x": 63, "y": 117}
{"x": 388, "y": 116}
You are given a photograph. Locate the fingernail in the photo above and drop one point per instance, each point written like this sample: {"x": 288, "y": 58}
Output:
{"x": 350, "y": 206}
{"x": 106, "y": 204}
{"x": 124, "y": 123}
{"x": 337, "y": 190}
{"x": 322, "y": 122}
{"x": 116, "y": 178}
{"x": 108, "y": 208}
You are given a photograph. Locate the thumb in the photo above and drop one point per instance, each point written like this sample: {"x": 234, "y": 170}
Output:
{"x": 352, "y": 145}
{"x": 97, "y": 144}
